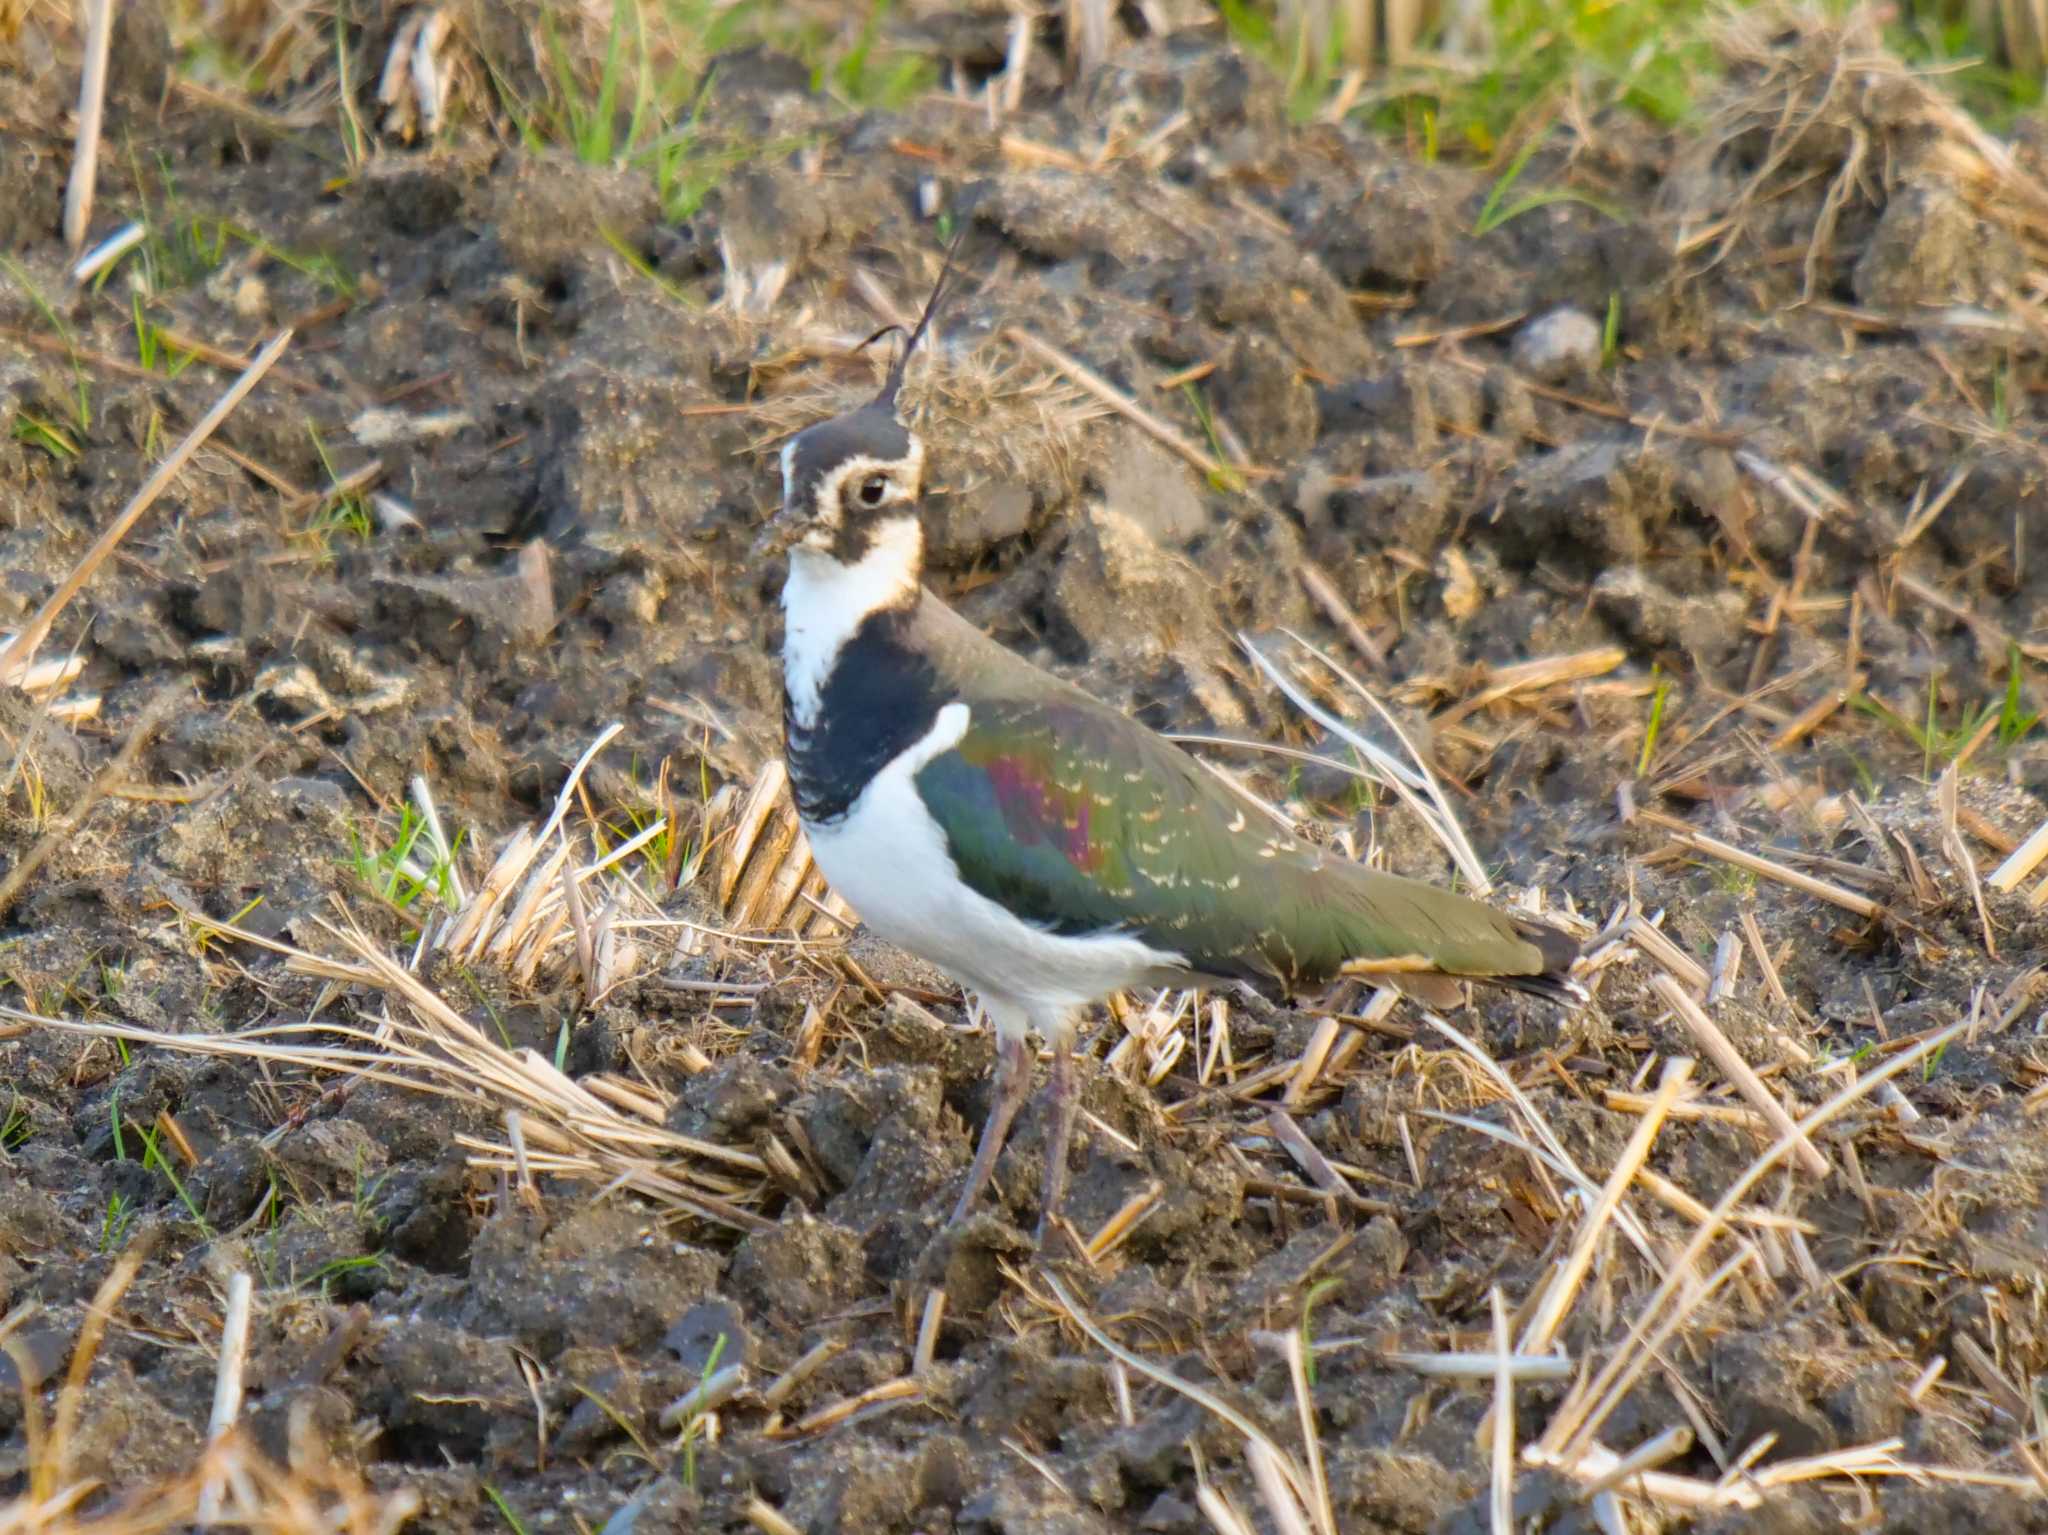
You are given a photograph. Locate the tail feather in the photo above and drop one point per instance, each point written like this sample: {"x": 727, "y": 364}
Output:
{"x": 1558, "y": 988}
{"x": 1441, "y": 989}
{"x": 1420, "y": 938}
{"x": 1560, "y": 951}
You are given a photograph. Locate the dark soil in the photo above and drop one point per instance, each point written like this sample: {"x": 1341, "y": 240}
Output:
{"x": 1480, "y": 486}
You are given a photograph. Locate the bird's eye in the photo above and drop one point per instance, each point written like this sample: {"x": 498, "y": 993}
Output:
{"x": 872, "y": 489}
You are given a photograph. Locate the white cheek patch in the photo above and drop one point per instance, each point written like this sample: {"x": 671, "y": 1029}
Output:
{"x": 788, "y": 469}
{"x": 827, "y": 602}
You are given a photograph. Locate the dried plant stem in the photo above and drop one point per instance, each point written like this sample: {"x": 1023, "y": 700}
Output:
{"x": 47, "y": 1471}
{"x": 1813, "y": 716}
{"x": 2023, "y": 861}
{"x": 15, "y": 658}
{"x": 1848, "y": 900}
{"x": 1505, "y": 682}
{"x": 227, "y": 1382}
{"x": 1312, "y": 1161}
{"x": 1088, "y": 32}
{"x": 1123, "y": 1221}
{"x": 928, "y": 1331}
{"x": 1501, "y": 1504}
{"x": 1531, "y": 1367}
{"x": 766, "y": 1518}
{"x": 427, "y": 1047}
{"x": 109, "y": 778}
{"x": 1772, "y": 980}
{"x": 92, "y": 107}
{"x": 1569, "y": 1275}
{"x": 1570, "y": 1431}
{"x": 1728, "y": 1060}
{"x": 1647, "y": 1456}
{"x": 1416, "y": 786}
{"x": 1101, "y": 388}
{"x": 1325, "y": 595}
{"x": 1297, "y": 1480}
{"x": 1653, "y": 941}
{"x": 889, "y": 1393}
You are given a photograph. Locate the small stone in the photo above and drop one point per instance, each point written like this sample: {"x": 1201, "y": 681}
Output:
{"x": 1560, "y": 345}
{"x": 1462, "y": 596}
{"x": 20, "y": 591}
{"x": 1347, "y": 513}
{"x": 1585, "y": 504}
{"x": 42, "y": 1349}
{"x": 800, "y": 1269}
{"x": 1127, "y": 600}
{"x": 1396, "y": 233}
{"x": 251, "y": 299}
{"x": 1169, "y": 1511}
{"x": 312, "y": 798}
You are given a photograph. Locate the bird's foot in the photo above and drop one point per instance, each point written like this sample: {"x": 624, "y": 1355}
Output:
{"x": 1062, "y": 1104}
{"x": 1260, "y": 1006}
{"x": 1013, "y": 1082}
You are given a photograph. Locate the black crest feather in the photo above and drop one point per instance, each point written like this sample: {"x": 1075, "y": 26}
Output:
{"x": 941, "y": 290}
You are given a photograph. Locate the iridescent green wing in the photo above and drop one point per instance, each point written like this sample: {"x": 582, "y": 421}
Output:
{"x": 1065, "y": 814}
{"x": 1082, "y": 822}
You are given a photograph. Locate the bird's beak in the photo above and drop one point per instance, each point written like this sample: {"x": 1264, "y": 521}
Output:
{"x": 777, "y": 534}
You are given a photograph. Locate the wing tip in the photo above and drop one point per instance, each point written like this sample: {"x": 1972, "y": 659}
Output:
{"x": 1551, "y": 987}
{"x": 1559, "y": 951}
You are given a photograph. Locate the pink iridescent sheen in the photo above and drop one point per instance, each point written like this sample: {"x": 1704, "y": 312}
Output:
{"x": 1036, "y": 812}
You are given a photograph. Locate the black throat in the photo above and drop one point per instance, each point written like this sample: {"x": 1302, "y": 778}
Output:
{"x": 879, "y": 698}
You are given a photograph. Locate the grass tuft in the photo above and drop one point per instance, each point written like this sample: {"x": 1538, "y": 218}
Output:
{"x": 1654, "y": 728}
{"x": 1463, "y": 81}
{"x": 1499, "y": 209}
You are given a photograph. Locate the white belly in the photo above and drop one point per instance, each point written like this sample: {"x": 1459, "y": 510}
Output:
{"x": 887, "y": 857}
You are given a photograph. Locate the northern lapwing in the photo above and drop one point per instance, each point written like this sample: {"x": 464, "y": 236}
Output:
{"x": 1040, "y": 847}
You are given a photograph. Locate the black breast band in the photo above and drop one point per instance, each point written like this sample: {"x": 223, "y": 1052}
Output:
{"x": 879, "y": 698}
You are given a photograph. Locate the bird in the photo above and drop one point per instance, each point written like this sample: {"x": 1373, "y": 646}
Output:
{"x": 1037, "y": 845}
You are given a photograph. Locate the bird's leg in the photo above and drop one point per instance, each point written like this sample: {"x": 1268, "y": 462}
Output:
{"x": 1062, "y": 1103}
{"x": 1013, "y": 1082}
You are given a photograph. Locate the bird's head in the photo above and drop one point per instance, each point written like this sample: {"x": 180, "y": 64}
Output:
{"x": 848, "y": 482}
{"x": 850, "y": 485}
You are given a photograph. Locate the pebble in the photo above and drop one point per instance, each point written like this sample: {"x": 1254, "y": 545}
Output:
{"x": 1561, "y": 345}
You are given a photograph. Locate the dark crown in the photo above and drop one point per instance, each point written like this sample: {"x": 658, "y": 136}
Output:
{"x": 874, "y": 431}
